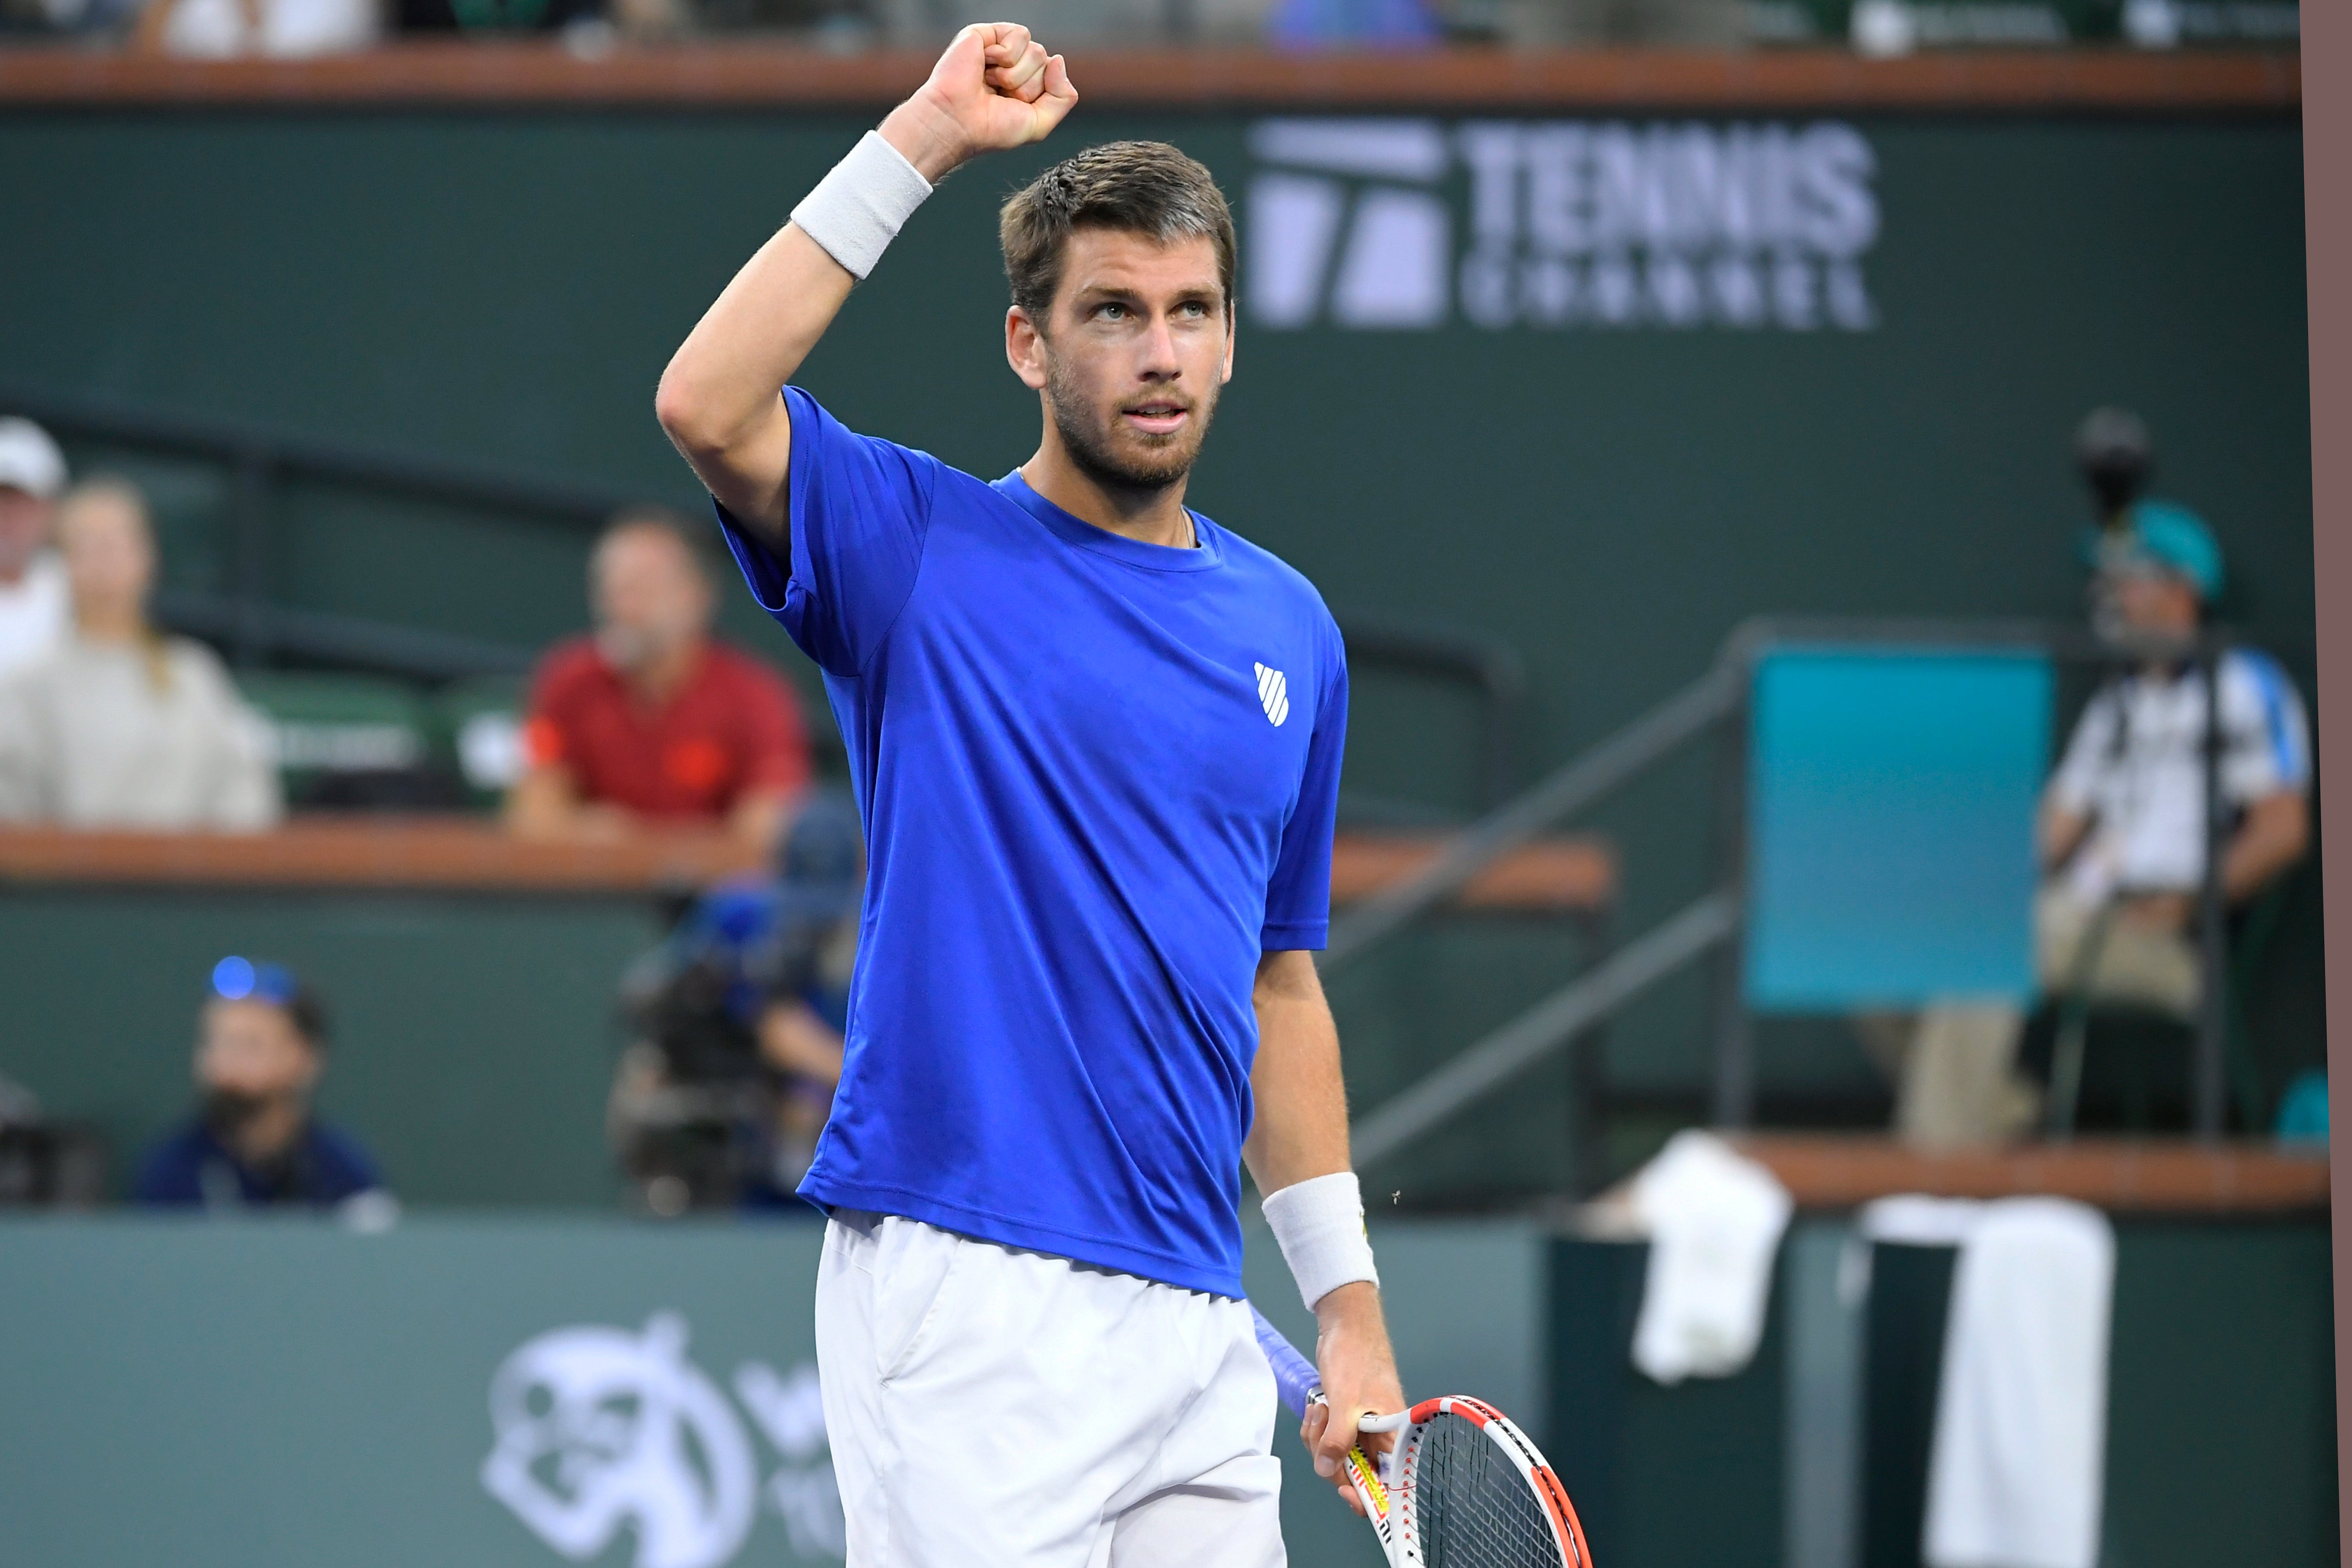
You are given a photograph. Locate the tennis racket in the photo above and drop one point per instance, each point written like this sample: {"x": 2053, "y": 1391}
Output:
{"x": 1462, "y": 1488}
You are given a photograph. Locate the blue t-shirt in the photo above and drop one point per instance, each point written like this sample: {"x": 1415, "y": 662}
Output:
{"x": 191, "y": 1167}
{"x": 1099, "y": 779}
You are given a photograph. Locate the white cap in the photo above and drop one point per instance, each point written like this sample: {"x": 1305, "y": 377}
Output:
{"x": 29, "y": 461}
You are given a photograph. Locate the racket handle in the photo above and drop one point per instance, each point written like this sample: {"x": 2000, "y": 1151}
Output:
{"x": 1294, "y": 1374}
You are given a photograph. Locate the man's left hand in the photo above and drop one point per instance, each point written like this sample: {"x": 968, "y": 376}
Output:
{"x": 1359, "y": 1379}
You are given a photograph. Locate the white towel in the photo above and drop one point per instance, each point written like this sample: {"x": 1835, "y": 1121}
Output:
{"x": 2021, "y": 1419}
{"x": 1915, "y": 1219}
{"x": 1715, "y": 1220}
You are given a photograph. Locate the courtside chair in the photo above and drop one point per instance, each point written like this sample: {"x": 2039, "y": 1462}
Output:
{"x": 2132, "y": 1036}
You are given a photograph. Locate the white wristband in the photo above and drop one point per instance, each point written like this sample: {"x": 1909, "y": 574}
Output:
{"x": 857, "y": 210}
{"x": 1321, "y": 1224}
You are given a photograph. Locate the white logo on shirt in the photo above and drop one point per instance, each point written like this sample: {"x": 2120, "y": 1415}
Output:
{"x": 1273, "y": 693}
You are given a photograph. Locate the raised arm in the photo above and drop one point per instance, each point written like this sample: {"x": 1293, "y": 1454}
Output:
{"x": 994, "y": 88}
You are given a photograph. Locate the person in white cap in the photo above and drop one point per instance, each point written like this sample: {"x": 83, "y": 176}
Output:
{"x": 35, "y": 606}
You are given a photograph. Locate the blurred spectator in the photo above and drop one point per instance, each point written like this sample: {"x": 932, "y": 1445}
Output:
{"x": 223, "y": 29}
{"x": 1689, "y": 24}
{"x": 742, "y": 1014}
{"x": 1353, "y": 24}
{"x": 582, "y": 22}
{"x": 651, "y": 720}
{"x": 253, "y": 1142}
{"x": 90, "y": 19}
{"x": 2123, "y": 827}
{"x": 33, "y": 598}
{"x": 121, "y": 726}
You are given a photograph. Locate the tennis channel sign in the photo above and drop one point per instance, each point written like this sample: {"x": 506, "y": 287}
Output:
{"x": 1387, "y": 225}
{"x": 601, "y": 1431}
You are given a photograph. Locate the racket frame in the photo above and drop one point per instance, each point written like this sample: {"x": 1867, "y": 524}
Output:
{"x": 1382, "y": 1485}
{"x": 1568, "y": 1531}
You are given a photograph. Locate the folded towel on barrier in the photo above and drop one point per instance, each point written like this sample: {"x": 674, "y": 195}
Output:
{"x": 1715, "y": 1219}
{"x": 2020, "y": 1420}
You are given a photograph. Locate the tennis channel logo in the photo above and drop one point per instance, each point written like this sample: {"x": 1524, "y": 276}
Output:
{"x": 599, "y": 1430}
{"x": 1400, "y": 224}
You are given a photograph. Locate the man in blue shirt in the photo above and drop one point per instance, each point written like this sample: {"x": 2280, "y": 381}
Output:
{"x": 1095, "y": 740}
{"x": 253, "y": 1142}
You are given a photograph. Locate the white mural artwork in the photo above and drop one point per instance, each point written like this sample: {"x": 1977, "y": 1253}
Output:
{"x": 599, "y": 1429}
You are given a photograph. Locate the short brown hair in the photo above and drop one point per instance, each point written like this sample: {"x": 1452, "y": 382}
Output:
{"x": 1138, "y": 187}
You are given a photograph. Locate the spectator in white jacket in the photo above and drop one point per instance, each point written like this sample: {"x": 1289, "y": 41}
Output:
{"x": 123, "y": 726}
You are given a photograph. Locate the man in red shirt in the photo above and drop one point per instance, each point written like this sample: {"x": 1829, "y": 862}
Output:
{"x": 650, "y": 720}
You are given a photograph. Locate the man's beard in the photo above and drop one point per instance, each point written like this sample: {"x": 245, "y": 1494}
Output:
{"x": 624, "y": 649}
{"x": 1091, "y": 443}
{"x": 629, "y": 649}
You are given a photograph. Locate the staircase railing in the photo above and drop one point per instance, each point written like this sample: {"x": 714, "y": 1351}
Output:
{"x": 1717, "y": 704}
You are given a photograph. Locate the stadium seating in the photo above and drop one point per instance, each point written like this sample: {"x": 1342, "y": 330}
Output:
{"x": 346, "y": 742}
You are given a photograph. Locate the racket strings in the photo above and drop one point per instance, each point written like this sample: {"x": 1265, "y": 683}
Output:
{"x": 1474, "y": 1507}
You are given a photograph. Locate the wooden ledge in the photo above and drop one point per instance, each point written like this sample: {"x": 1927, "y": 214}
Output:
{"x": 457, "y": 853}
{"x": 1549, "y": 877}
{"x": 767, "y": 75}
{"x": 2125, "y": 1175}
{"x": 469, "y": 854}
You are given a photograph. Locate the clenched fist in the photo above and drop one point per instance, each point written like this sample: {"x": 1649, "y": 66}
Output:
{"x": 996, "y": 86}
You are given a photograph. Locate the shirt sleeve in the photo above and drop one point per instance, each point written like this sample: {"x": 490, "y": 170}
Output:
{"x": 2267, "y": 737}
{"x": 167, "y": 1177}
{"x": 2074, "y": 787}
{"x": 775, "y": 741}
{"x": 245, "y": 795}
{"x": 341, "y": 1168}
{"x": 22, "y": 797}
{"x": 860, "y": 511}
{"x": 252, "y": 798}
{"x": 546, "y": 739}
{"x": 1299, "y": 896}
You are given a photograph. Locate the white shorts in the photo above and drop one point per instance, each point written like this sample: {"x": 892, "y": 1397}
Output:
{"x": 993, "y": 1406}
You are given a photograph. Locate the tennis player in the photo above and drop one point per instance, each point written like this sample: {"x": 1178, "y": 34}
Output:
{"x": 1096, "y": 740}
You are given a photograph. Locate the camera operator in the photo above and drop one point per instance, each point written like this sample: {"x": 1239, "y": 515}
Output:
{"x": 2122, "y": 832}
{"x": 739, "y": 1016}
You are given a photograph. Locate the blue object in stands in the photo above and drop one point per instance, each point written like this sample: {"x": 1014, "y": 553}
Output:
{"x": 1891, "y": 803}
{"x": 1353, "y": 24}
{"x": 2302, "y": 1114}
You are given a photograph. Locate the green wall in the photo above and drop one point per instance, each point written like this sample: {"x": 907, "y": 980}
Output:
{"x": 284, "y": 1393}
{"x": 280, "y": 1393}
{"x": 506, "y": 285}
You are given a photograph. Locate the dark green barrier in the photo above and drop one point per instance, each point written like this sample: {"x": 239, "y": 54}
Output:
{"x": 2221, "y": 1437}
{"x": 286, "y": 1395}
{"x": 278, "y": 1395}
{"x": 272, "y": 1397}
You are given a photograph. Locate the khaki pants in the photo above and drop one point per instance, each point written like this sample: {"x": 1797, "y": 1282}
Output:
{"x": 1956, "y": 1064}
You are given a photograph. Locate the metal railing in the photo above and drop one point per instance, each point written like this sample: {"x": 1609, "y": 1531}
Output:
{"x": 259, "y": 461}
{"x": 1716, "y": 705}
